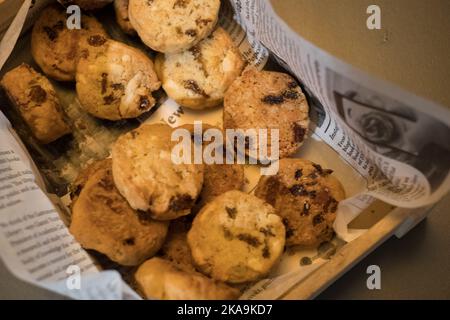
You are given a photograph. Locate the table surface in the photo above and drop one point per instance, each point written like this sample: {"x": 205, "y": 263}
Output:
{"x": 417, "y": 265}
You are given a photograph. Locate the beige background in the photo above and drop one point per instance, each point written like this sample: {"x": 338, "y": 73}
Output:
{"x": 412, "y": 49}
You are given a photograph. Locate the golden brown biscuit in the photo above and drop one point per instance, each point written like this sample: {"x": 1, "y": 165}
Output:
{"x": 217, "y": 178}
{"x": 198, "y": 78}
{"x": 268, "y": 100}
{"x": 173, "y": 25}
{"x": 147, "y": 176}
{"x": 175, "y": 248}
{"x": 236, "y": 238}
{"x": 158, "y": 278}
{"x": 54, "y": 47}
{"x": 115, "y": 81}
{"x": 103, "y": 221}
{"x": 306, "y": 196}
{"x": 35, "y": 98}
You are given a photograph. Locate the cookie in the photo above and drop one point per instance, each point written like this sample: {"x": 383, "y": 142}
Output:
{"x": 175, "y": 248}
{"x": 55, "y": 47}
{"x": 80, "y": 181}
{"x": 217, "y": 178}
{"x": 306, "y": 197}
{"x": 86, "y": 4}
{"x": 159, "y": 279}
{"x": 115, "y": 81}
{"x": 198, "y": 78}
{"x": 147, "y": 177}
{"x": 236, "y": 238}
{"x": 173, "y": 25}
{"x": 103, "y": 221}
{"x": 121, "y": 8}
{"x": 36, "y": 100}
{"x": 268, "y": 100}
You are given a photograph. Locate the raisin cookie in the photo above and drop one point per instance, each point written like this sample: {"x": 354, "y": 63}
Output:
{"x": 121, "y": 8}
{"x": 217, "y": 178}
{"x": 173, "y": 25}
{"x": 54, "y": 47}
{"x": 159, "y": 279}
{"x": 115, "y": 81}
{"x": 86, "y": 4}
{"x": 175, "y": 248}
{"x": 147, "y": 176}
{"x": 103, "y": 221}
{"x": 198, "y": 78}
{"x": 268, "y": 100}
{"x": 306, "y": 197}
{"x": 236, "y": 238}
{"x": 36, "y": 100}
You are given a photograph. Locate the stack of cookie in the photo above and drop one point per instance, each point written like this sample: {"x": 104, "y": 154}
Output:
{"x": 188, "y": 228}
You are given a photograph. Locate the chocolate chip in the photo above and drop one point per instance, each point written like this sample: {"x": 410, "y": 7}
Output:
{"x": 298, "y": 190}
{"x": 305, "y": 261}
{"x": 318, "y": 167}
{"x": 312, "y": 175}
{"x": 231, "y": 212}
{"x": 144, "y": 217}
{"x": 144, "y": 103}
{"x": 149, "y": 2}
{"x": 181, "y": 202}
{"x": 306, "y": 207}
{"x": 289, "y": 230}
{"x": 51, "y": 34}
{"x": 104, "y": 82}
{"x": 37, "y": 94}
{"x": 272, "y": 99}
{"x": 267, "y": 231}
{"x": 191, "y": 32}
{"x": 195, "y": 50}
{"x": 290, "y": 94}
{"x": 317, "y": 219}
{"x": 117, "y": 86}
{"x": 266, "y": 252}
{"x": 292, "y": 85}
{"x": 180, "y": 4}
{"x": 96, "y": 40}
{"x": 330, "y": 205}
{"x": 109, "y": 99}
{"x": 227, "y": 234}
{"x": 298, "y": 174}
{"x": 299, "y": 132}
{"x": 202, "y": 22}
{"x": 251, "y": 240}
{"x": 128, "y": 242}
{"x": 194, "y": 87}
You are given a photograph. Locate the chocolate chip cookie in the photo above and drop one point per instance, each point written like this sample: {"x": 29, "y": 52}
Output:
{"x": 236, "y": 238}
{"x": 102, "y": 220}
{"x": 306, "y": 197}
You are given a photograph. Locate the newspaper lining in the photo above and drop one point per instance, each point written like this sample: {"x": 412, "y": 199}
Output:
{"x": 374, "y": 127}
